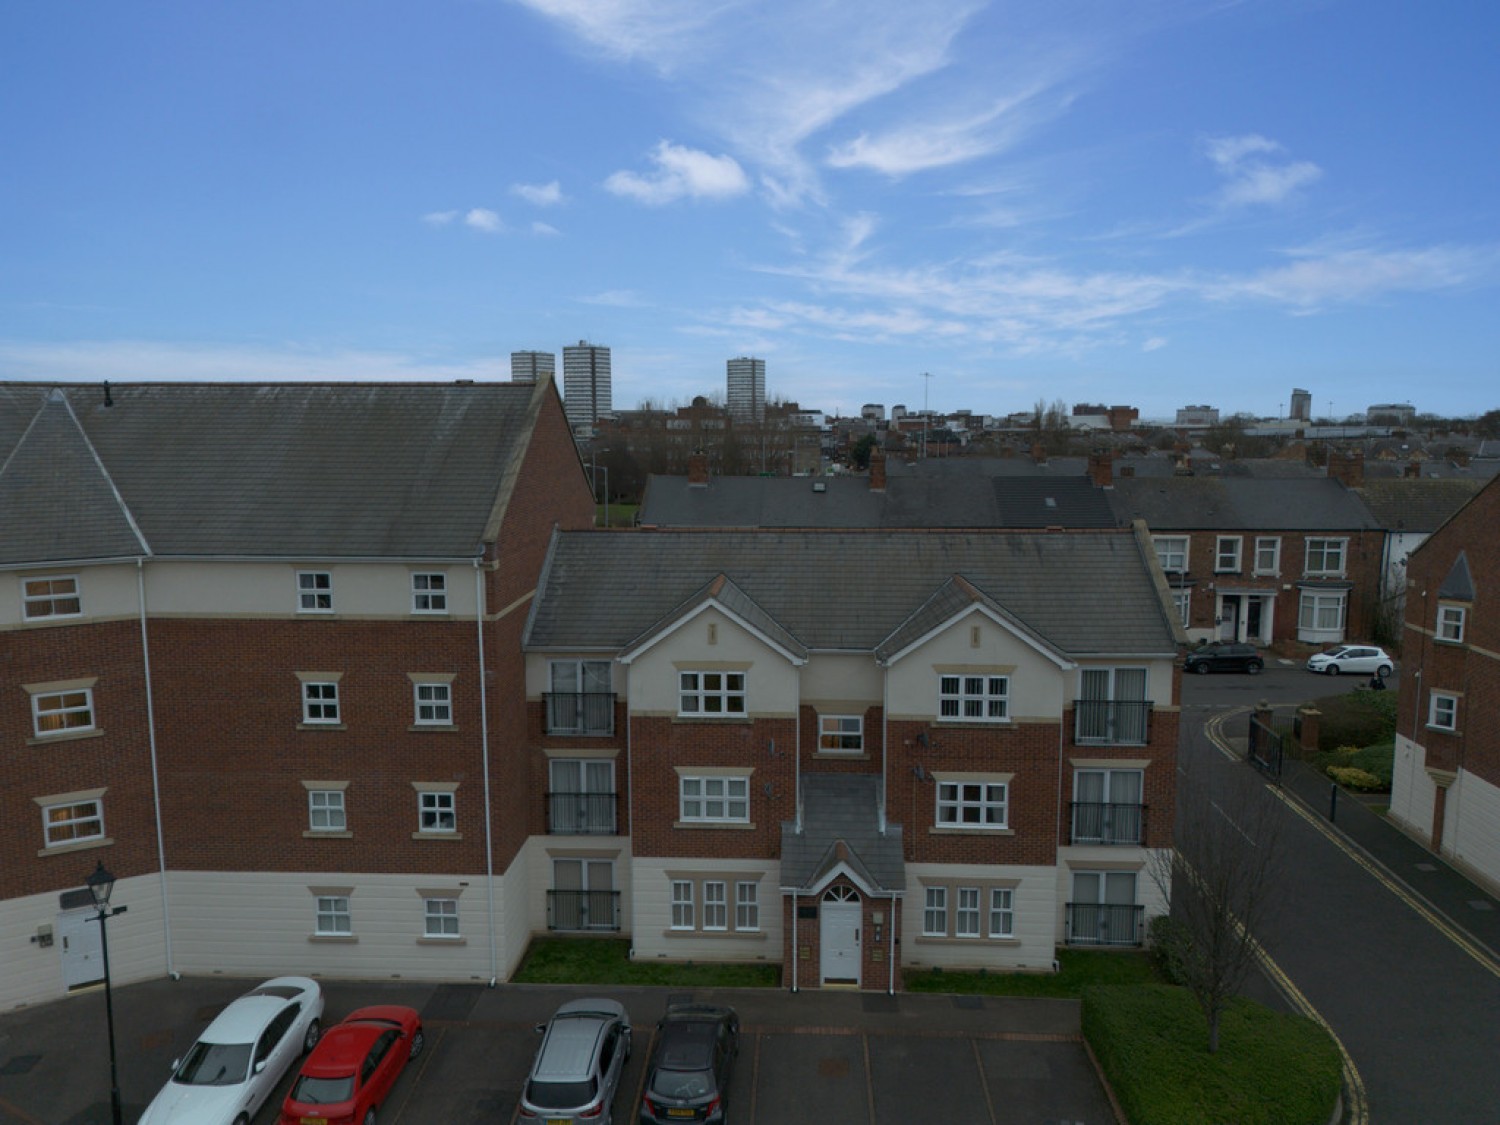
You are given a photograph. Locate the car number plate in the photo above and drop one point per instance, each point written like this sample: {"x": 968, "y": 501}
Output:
{"x": 677, "y": 1111}
{"x": 314, "y": 1121}
{"x": 559, "y": 1121}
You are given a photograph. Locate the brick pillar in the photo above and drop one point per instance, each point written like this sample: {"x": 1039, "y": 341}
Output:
{"x": 877, "y": 469}
{"x": 1308, "y": 738}
{"x": 698, "y": 470}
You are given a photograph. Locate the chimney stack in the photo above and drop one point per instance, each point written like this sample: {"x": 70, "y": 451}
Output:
{"x": 1102, "y": 468}
{"x": 698, "y": 470}
{"x": 1347, "y": 467}
{"x": 877, "y": 469}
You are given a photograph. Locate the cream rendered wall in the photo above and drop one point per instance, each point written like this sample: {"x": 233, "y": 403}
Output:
{"x": 1151, "y": 865}
{"x": 1036, "y": 684}
{"x": 1158, "y": 678}
{"x": 261, "y": 923}
{"x": 105, "y": 593}
{"x": 710, "y": 641}
{"x": 831, "y": 679}
{"x": 540, "y": 851}
{"x": 269, "y": 589}
{"x": 653, "y": 939}
{"x": 33, "y": 975}
{"x": 1471, "y": 827}
{"x": 539, "y": 671}
{"x": 1034, "y": 902}
{"x": 1412, "y": 791}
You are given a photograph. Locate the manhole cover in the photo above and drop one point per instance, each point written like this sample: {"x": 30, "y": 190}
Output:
{"x": 20, "y": 1064}
{"x": 833, "y": 1068}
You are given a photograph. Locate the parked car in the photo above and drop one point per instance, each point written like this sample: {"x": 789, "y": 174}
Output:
{"x": 351, "y": 1071}
{"x": 1351, "y": 658}
{"x": 688, "y": 1076}
{"x": 241, "y": 1056}
{"x": 577, "y": 1068}
{"x": 1224, "y": 657}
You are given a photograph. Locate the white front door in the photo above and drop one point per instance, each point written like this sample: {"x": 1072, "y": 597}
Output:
{"x": 82, "y": 948}
{"x": 838, "y": 937}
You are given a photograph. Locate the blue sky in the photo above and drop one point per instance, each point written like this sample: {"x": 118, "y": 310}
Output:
{"x": 1152, "y": 202}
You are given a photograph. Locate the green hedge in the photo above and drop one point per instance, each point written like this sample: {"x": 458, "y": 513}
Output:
{"x": 1272, "y": 1068}
{"x": 1361, "y": 718}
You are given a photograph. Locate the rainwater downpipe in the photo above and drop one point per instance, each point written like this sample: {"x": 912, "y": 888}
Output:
{"x": 161, "y": 846}
{"x": 796, "y": 949}
{"x": 484, "y": 754}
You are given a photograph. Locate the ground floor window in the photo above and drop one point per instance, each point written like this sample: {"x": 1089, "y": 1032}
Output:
{"x": 703, "y": 904}
{"x": 1103, "y": 909}
{"x": 1321, "y": 614}
{"x": 968, "y": 911}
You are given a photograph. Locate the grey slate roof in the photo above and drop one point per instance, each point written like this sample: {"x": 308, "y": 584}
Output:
{"x": 949, "y": 500}
{"x": 1415, "y": 503}
{"x": 1240, "y": 504}
{"x": 1080, "y": 592}
{"x": 1459, "y": 584}
{"x": 841, "y": 822}
{"x": 256, "y": 470}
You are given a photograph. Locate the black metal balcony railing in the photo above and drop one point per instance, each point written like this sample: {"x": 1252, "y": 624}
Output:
{"x": 1119, "y": 722}
{"x": 580, "y": 712}
{"x": 583, "y": 910}
{"x": 1098, "y": 823}
{"x": 1093, "y": 923}
{"x": 581, "y": 814}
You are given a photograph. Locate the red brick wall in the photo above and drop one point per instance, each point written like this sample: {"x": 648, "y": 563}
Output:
{"x": 803, "y": 935}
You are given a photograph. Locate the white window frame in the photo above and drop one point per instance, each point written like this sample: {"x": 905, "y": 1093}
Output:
{"x": 78, "y": 814}
{"x": 966, "y": 912}
{"x": 935, "y": 912}
{"x": 1002, "y": 912}
{"x": 1313, "y": 604}
{"x": 440, "y": 919}
{"x": 315, "y": 591}
{"x": 331, "y": 804}
{"x": 1450, "y": 623}
{"x": 961, "y": 799}
{"x": 320, "y": 703}
{"x": 334, "y": 918}
{"x": 715, "y": 905}
{"x": 437, "y": 811}
{"x": 432, "y": 704}
{"x": 841, "y": 734}
{"x": 429, "y": 592}
{"x": 973, "y": 697}
{"x": 714, "y": 694}
{"x": 1324, "y": 547}
{"x": 1267, "y": 555}
{"x": 48, "y": 596}
{"x": 1228, "y": 561}
{"x": 699, "y": 794}
{"x": 1182, "y": 601}
{"x": 747, "y": 906}
{"x": 1167, "y": 552}
{"x": 682, "y": 904}
{"x": 74, "y": 707}
{"x": 1442, "y": 711}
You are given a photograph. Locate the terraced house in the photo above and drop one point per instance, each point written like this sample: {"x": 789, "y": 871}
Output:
{"x": 852, "y": 753}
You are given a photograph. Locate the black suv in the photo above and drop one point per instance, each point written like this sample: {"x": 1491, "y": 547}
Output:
{"x": 687, "y": 1078}
{"x": 1224, "y": 658}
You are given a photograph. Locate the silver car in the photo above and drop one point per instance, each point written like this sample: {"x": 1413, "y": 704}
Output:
{"x": 1364, "y": 659}
{"x": 578, "y": 1066}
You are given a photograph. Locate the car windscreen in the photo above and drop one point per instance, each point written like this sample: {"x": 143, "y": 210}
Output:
{"x": 215, "y": 1064}
{"x": 560, "y": 1095}
{"x": 323, "y": 1091}
{"x": 682, "y": 1083}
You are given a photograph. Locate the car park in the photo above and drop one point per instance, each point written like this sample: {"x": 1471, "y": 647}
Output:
{"x": 692, "y": 1061}
{"x": 349, "y": 1074}
{"x": 1224, "y": 657}
{"x": 241, "y": 1056}
{"x": 1365, "y": 659}
{"x": 577, "y": 1069}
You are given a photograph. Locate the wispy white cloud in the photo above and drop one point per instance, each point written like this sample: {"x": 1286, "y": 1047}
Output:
{"x": 1153, "y": 344}
{"x": 439, "y": 218}
{"x": 544, "y": 230}
{"x": 1315, "y": 280}
{"x": 540, "y": 195}
{"x": 616, "y": 298}
{"x": 483, "y": 219}
{"x": 659, "y": 32}
{"x": 1256, "y": 171}
{"x": 681, "y": 173}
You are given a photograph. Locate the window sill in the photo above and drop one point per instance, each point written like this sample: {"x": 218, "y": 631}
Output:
{"x": 968, "y": 830}
{"x": 440, "y": 727}
{"x": 326, "y": 834}
{"x": 1442, "y": 730}
{"x": 321, "y": 726}
{"x": 841, "y": 755}
{"x": 77, "y": 846}
{"x": 725, "y": 720}
{"x": 717, "y": 935}
{"x": 420, "y": 835}
{"x": 64, "y": 736}
{"x": 333, "y": 939}
{"x": 936, "y": 939}
{"x": 442, "y": 941}
{"x": 740, "y": 825}
{"x": 968, "y": 724}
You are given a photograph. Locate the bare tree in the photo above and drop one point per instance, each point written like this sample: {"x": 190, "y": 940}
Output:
{"x": 1224, "y": 881}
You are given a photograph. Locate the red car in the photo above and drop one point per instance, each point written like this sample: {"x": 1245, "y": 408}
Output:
{"x": 353, "y": 1068}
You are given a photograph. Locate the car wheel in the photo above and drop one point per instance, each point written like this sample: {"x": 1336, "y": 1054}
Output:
{"x": 418, "y": 1041}
{"x": 1383, "y": 671}
{"x": 1201, "y": 669}
{"x": 1253, "y": 667}
{"x": 314, "y": 1033}
{"x": 1332, "y": 670}
{"x": 242, "y": 1120}
{"x": 370, "y": 1116}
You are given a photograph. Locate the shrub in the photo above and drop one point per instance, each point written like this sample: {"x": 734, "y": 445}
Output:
{"x": 1352, "y": 777}
{"x": 1361, "y": 718}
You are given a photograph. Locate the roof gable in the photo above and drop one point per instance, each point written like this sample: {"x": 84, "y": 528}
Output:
{"x": 1459, "y": 584}
{"x": 951, "y": 603}
{"x": 722, "y": 594}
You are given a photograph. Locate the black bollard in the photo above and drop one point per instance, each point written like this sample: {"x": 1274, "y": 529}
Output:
{"x": 1333, "y": 801}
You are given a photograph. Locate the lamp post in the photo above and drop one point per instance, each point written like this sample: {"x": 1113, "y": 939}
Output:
{"x": 101, "y": 884}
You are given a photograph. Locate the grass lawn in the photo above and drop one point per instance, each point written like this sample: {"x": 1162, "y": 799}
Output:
{"x": 607, "y": 961}
{"x": 1079, "y": 969}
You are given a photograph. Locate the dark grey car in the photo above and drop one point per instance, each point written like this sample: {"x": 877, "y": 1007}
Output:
{"x": 1224, "y": 657}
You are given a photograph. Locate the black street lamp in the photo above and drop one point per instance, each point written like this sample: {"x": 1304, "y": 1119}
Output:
{"x": 101, "y": 885}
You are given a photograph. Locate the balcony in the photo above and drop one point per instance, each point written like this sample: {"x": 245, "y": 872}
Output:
{"x": 581, "y": 814}
{"x": 583, "y": 910}
{"x": 580, "y": 712}
{"x": 1093, "y": 923}
{"x": 1098, "y": 823}
{"x": 1112, "y": 722}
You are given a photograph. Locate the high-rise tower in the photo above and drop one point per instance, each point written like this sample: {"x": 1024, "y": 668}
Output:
{"x": 746, "y": 396}
{"x": 586, "y": 389}
{"x": 528, "y": 367}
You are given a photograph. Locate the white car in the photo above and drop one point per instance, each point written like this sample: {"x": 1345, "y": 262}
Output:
{"x": 241, "y": 1056}
{"x": 1366, "y": 659}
